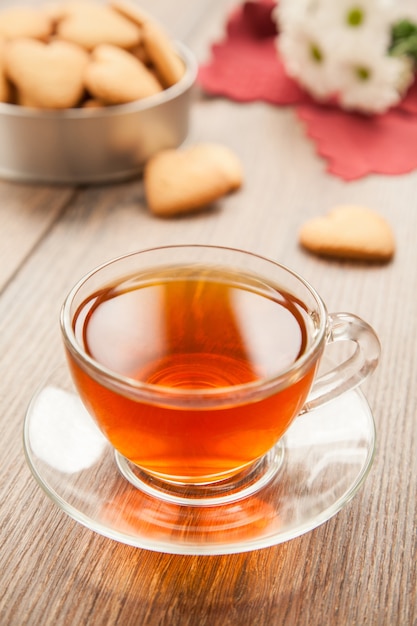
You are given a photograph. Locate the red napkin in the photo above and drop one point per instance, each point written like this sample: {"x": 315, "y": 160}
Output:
{"x": 245, "y": 67}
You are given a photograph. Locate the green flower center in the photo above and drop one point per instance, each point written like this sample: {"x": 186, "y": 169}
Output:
{"x": 316, "y": 53}
{"x": 363, "y": 73}
{"x": 355, "y": 17}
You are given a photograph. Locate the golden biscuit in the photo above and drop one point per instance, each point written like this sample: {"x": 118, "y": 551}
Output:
{"x": 160, "y": 50}
{"x": 116, "y": 77}
{"x": 131, "y": 11}
{"x": 88, "y": 25}
{"x": 46, "y": 75}
{"x": 22, "y": 21}
{"x": 180, "y": 181}
{"x": 351, "y": 232}
{"x": 158, "y": 46}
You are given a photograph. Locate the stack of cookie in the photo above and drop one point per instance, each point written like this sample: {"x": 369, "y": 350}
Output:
{"x": 83, "y": 54}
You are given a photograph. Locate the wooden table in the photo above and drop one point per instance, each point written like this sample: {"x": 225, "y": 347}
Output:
{"x": 358, "y": 568}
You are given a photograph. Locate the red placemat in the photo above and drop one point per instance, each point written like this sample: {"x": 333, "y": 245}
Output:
{"x": 245, "y": 66}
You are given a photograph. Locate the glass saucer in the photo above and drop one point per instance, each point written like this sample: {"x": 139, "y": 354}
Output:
{"x": 317, "y": 468}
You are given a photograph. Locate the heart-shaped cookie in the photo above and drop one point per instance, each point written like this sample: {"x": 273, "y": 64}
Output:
{"x": 115, "y": 76}
{"x": 89, "y": 25}
{"x": 46, "y": 75}
{"x": 25, "y": 21}
{"x": 180, "y": 181}
{"x": 352, "y": 232}
{"x": 160, "y": 50}
{"x": 131, "y": 10}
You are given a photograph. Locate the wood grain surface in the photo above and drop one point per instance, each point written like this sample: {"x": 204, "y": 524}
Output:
{"x": 359, "y": 568}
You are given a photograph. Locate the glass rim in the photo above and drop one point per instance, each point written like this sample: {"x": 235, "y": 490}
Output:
{"x": 155, "y": 392}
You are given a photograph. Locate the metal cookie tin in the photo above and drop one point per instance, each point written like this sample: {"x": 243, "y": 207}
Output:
{"x": 79, "y": 146}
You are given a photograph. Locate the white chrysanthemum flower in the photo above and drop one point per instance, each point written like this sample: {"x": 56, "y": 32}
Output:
{"x": 348, "y": 20}
{"x": 308, "y": 58}
{"x": 372, "y": 83}
{"x": 289, "y": 13}
{"x": 342, "y": 48}
{"x": 354, "y": 13}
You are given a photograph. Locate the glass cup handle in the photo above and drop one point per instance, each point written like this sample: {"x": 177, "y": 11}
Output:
{"x": 353, "y": 371}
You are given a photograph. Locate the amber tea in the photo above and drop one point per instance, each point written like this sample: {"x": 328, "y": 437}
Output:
{"x": 198, "y": 332}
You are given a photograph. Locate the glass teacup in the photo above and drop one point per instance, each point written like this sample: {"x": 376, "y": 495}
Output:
{"x": 195, "y": 360}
